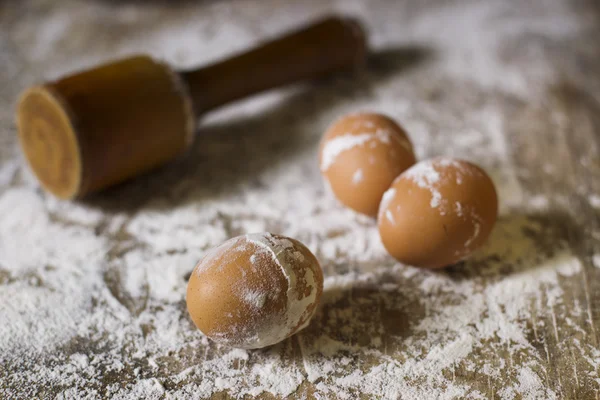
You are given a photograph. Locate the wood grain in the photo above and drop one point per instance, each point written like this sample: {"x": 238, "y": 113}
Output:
{"x": 513, "y": 87}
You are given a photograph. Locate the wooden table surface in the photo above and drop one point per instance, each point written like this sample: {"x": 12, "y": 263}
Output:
{"x": 92, "y": 293}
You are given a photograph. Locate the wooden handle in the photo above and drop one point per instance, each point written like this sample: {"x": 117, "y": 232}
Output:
{"x": 99, "y": 127}
{"x": 317, "y": 50}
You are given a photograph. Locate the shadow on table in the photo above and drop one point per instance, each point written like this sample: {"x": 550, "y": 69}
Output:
{"x": 237, "y": 150}
{"x": 361, "y": 317}
{"x": 519, "y": 242}
{"x": 380, "y": 310}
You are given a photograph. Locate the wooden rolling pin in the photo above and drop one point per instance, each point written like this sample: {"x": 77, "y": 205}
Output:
{"x": 100, "y": 127}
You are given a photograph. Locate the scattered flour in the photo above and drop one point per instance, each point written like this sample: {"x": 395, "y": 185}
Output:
{"x": 594, "y": 200}
{"x": 390, "y": 217}
{"x": 340, "y": 144}
{"x": 334, "y": 147}
{"x": 92, "y": 294}
{"x": 257, "y": 299}
{"x": 426, "y": 176}
{"x": 596, "y": 260}
{"x": 476, "y": 219}
{"x": 387, "y": 197}
{"x": 358, "y": 176}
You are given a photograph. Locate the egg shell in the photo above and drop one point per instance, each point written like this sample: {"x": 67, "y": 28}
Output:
{"x": 437, "y": 212}
{"x": 360, "y": 155}
{"x": 254, "y": 290}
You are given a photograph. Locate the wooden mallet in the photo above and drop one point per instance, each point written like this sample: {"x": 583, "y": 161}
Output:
{"x": 100, "y": 127}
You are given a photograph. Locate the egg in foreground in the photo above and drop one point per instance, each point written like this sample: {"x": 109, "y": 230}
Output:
{"x": 359, "y": 157}
{"x": 437, "y": 212}
{"x": 254, "y": 290}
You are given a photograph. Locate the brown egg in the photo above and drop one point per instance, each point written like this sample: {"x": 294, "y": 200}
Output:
{"x": 254, "y": 290}
{"x": 360, "y": 156}
{"x": 437, "y": 212}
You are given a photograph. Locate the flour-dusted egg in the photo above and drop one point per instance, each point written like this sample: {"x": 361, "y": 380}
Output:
{"x": 360, "y": 156}
{"x": 437, "y": 212}
{"x": 254, "y": 290}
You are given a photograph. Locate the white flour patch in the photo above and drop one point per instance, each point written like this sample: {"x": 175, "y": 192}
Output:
{"x": 340, "y": 144}
{"x": 256, "y": 299}
{"x": 594, "y": 200}
{"x": 476, "y": 220}
{"x": 386, "y": 199}
{"x": 336, "y": 146}
{"x": 390, "y": 217}
{"x": 539, "y": 202}
{"x": 426, "y": 176}
{"x": 357, "y": 177}
{"x": 458, "y": 209}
